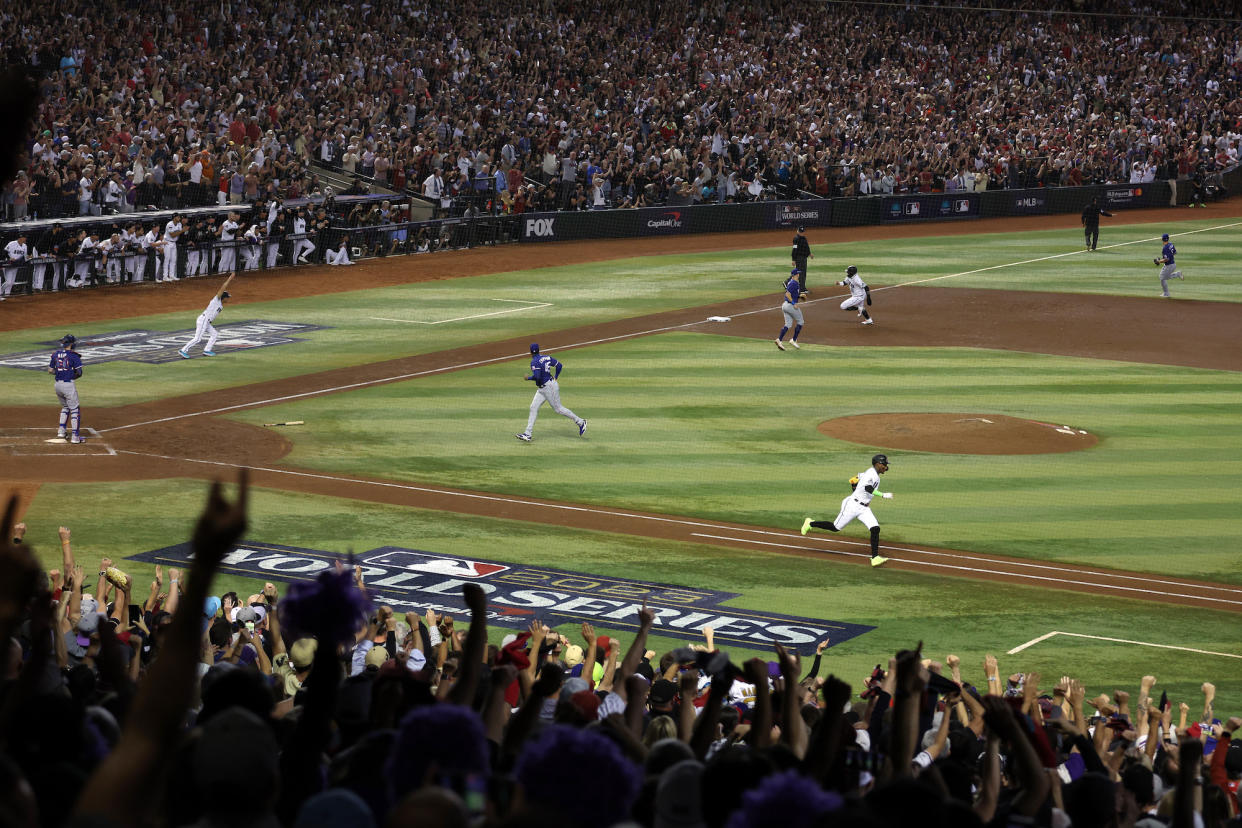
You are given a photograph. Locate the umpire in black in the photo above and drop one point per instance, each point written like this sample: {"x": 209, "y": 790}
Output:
{"x": 1091, "y": 221}
{"x": 800, "y": 252}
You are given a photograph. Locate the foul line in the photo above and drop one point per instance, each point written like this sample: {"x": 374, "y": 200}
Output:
{"x": 464, "y": 318}
{"x": 1046, "y": 636}
{"x": 587, "y": 343}
{"x": 987, "y": 571}
{"x": 653, "y": 518}
{"x": 1042, "y": 565}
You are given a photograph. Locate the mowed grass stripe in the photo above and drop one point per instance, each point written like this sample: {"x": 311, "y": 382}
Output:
{"x": 714, "y": 427}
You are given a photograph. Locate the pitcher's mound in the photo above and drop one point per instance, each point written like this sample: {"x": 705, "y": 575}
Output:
{"x": 959, "y": 433}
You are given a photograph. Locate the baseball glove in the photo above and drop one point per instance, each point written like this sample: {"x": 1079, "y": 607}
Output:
{"x": 1156, "y": 261}
{"x": 853, "y": 483}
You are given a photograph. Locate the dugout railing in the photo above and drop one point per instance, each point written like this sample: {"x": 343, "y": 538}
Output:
{"x": 55, "y": 262}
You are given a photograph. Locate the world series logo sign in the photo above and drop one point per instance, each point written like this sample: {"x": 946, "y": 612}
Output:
{"x": 414, "y": 580}
{"x": 158, "y": 347}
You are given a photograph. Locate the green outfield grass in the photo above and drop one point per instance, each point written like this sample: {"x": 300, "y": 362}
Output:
{"x": 717, "y": 427}
{"x": 949, "y": 615}
{"x": 360, "y": 329}
{"x": 741, "y": 444}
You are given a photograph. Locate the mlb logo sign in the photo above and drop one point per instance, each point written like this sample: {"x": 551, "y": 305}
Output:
{"x": 912, "y": 208}
{"x": 962, "y": 205}
{"x": 539, "y": 228}
{"x": 418, "y": 561}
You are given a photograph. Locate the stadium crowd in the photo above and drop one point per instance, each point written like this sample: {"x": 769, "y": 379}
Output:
{"x": 317, "y": 707}
{"x": 558, "y": 104}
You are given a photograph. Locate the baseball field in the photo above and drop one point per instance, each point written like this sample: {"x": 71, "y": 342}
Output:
{"x": 1065, "y": 444}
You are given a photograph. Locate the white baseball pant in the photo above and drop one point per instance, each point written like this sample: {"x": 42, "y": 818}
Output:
{"x": 204, "y": 327}
{"x": 852, "y": 508}
{"x": 551, "y": 394}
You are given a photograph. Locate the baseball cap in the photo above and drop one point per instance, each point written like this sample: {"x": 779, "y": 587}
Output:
{"x": 302, "y": 653}
{"x": 1165, "y": 237}
{"x": 801, "y": 228}
{"x": 793, "y": 272}
{"x": 662, "y": 692}
{"x": 573, "y": 655}
{"x": 534, "y": 347}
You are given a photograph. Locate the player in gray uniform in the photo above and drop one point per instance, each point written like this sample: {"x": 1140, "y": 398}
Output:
{"x": 544, "y": 371}
{"x": 66, "y": 366}
{"x": 857, "y": 504}
{"x": 793, "y": 313}
{"x": 1167, "y": 254}
{"x": 204, "y": 326}
{"x": 860, "y": 294}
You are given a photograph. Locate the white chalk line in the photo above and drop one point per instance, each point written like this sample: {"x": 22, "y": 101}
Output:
{"x": 584, "y": 344}
{"x": 526, "y": 307}
{"x": 986, "y": 571}
{"x": 1041, "y": 565}
{"x": 1046, "y": 636}
{"x": 593, "y": 510}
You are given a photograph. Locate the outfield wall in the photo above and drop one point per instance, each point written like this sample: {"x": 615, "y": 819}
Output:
{"x": 840, "y": 212}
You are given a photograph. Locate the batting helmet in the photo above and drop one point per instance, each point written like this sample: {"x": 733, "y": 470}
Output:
{"x": 534, "y": 347}
{"x": 880, "y": 458}
{"x": 68, "y": 340}
{"x": 851, "y": 270}
{"x": 225, "y": 295}
{"x": 1165, "y": 237}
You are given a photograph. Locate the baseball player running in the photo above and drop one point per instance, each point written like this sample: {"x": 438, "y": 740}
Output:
{"x": 544, "y": 371}
{"x": 857, "y": 504}
{"x": 860, "y": 294}
{"x": 793, "y": 314}
{"x": 66, "y": 366}
{"x": 204, "y": 322}
{"x": 1167, "y": 254}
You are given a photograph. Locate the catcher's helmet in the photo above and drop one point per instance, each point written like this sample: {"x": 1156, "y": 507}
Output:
{"x": 1165, "y": 237}
{"x": 534, "y": 347}
{"x": 880, "y": 458}
{"x": 851, "y": 270}
{"x": 68, "y": 340}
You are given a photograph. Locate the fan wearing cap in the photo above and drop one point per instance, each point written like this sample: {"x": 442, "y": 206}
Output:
{"x": 857, "y": 504}
{"x": 66, "y": 366}
{"x": 205, "y": 319}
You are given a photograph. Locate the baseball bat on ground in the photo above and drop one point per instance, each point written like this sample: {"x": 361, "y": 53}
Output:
{"x": 291, "y": 422}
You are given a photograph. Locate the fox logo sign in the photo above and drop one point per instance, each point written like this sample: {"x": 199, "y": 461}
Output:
{"x": 539, "y": 228}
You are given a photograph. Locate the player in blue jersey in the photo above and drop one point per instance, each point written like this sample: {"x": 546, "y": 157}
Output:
{"x": 544, "y": 371}
{"x": 66, "y": 366}
{"x": 789, "y": 307}
{"x": 1167, "y": 254}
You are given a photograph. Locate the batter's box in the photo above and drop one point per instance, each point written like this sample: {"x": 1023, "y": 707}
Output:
{"x": 33, "y": 442}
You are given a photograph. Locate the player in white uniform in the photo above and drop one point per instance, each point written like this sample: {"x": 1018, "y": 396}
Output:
{"x": 205, "y": 319}
{"x": 172, "y": 230}
{"x": 860, "y": 294}
{"x": 131, "y": 262}
{"x": 82, "y": 262}
{"x": 302, "y": 247}
{"x": 228, "y": 252}
{"x": 857, "y": 504}
{"x": 111, "y": 250}
{"x": 252, "y": 248}
{"x": 150, "y": 244}
{"x": 340, "y": 256}
{"x": 17, "y": 252}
